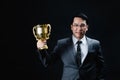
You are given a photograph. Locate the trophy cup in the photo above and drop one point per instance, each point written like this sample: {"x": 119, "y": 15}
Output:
{"x": 42, "y": 32}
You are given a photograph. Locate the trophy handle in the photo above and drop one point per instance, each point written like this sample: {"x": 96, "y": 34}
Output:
{"x": 34, "y": 30}
{"x": 49, "y": 28}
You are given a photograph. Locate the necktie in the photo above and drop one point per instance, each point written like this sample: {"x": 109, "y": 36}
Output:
{"x": 78, "y": 55}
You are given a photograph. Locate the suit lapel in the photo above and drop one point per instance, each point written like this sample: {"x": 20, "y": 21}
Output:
{"x": 70, "y": 49}
{"x": 89, "y": 45}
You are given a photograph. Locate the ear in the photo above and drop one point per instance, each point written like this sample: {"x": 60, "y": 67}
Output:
{"x": 71, "y": 26}
{"x": 86, "y": 27}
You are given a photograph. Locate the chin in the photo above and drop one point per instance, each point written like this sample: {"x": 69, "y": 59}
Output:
{"x": 78, "y": 37}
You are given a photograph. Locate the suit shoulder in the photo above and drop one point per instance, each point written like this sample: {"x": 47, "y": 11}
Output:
{"x": 64, "y": 40}
{"x": 92, "y": 40}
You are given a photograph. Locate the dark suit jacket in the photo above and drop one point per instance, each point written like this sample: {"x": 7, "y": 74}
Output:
{"x": 91, "y": 69}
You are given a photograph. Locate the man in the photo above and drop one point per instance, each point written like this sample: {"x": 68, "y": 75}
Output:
{"x": 75, "y": 60}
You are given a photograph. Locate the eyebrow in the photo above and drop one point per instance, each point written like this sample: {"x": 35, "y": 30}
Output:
{"x": 80, "y": 24}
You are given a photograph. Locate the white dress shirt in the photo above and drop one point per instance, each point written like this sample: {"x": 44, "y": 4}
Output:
{"x": 83, "y": 45}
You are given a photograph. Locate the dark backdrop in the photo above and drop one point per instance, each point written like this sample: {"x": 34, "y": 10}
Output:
{"x": 20, "y": 16}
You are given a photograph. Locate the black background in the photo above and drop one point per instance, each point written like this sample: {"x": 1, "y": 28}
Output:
{"x": 20, "y": 16}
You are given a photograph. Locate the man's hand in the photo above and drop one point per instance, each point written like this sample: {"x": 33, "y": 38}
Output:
{"x": 41, "y": 44}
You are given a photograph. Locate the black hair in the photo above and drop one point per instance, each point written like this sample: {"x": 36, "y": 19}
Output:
{"x": 81, "y": 15}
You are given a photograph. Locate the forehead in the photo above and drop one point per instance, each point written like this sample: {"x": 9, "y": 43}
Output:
{"x": 78, "y": 20}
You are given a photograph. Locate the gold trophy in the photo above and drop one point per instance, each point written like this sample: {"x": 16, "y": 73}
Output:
{"x": 42, "y": 32}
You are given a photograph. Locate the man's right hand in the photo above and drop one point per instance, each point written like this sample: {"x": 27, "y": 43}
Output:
{"x": 41, "y": 44}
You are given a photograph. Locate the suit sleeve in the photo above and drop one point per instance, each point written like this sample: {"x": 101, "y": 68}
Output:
{"x": 100, "y": 63}
{"x": 42, "y": 55}
{"x": 47, "y": 57}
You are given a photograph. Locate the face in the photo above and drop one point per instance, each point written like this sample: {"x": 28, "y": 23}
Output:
{"x": 79, "y": 27}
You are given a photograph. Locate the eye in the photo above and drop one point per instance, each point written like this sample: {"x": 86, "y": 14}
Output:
{"x": 76, "y": 25}
{"x": 82, "y": 25}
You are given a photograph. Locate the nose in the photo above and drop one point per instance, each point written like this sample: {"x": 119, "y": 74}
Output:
{"x": 79, "y": 28}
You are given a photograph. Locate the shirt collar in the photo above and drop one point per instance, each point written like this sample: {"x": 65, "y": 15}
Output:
{"x": 75, "y": 39}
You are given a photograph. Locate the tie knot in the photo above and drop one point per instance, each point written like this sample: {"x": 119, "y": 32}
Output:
{"x": 79, "y": 42}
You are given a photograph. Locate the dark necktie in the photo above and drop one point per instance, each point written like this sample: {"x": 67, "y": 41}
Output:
{"x": 78, "y": 55}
